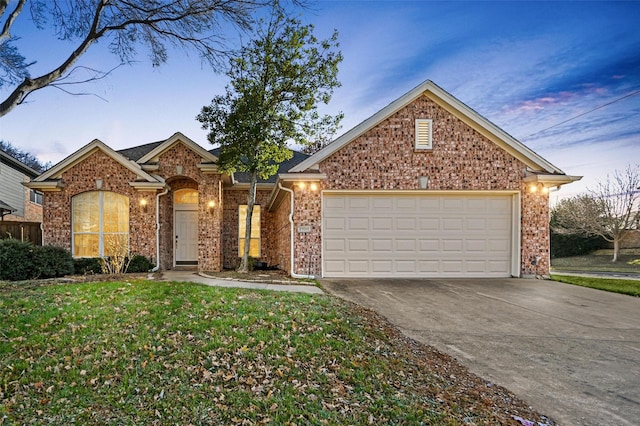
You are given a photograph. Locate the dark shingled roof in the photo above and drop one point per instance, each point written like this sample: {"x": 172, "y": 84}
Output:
{"x": 137, "y": 152}
{"x": 243, "y": 177}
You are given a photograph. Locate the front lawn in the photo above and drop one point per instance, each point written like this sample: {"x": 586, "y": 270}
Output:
{"x": 599, "y": 261}
{"x": 142, "y": 352}
{"x": 631, "y": 287}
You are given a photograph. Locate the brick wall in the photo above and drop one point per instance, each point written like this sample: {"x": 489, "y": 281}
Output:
{"x": 268, "y": 250}
{"x": 178, "y": 165}
{"x": 282, "y": 235}
{"x": 81, "y": 178}
{"x": 461, "y": 159}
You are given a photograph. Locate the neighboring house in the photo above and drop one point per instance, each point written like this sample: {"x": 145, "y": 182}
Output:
{"x": 18, "y": 203}
{"x": 426, "y": 187}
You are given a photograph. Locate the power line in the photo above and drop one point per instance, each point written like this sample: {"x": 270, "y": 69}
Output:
{"x": 584, "y": 113}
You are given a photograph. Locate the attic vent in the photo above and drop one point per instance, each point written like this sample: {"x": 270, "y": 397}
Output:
{"x": 423, "y": 134}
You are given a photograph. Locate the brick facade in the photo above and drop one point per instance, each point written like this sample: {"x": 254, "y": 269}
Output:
{"x": 461, "y": 159}
{"x": 82, "y": 177}
{"x": 381, "y": 158}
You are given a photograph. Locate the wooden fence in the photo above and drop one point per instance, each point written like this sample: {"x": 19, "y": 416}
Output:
{"x": 23, "y": 231}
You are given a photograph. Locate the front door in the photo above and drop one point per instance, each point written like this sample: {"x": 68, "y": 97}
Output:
{"x": 186, "y": 238}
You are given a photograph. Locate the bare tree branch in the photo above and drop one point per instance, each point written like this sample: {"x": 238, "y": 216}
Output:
{"x": 6, "y": 35}
{"x": 193, "y": 24}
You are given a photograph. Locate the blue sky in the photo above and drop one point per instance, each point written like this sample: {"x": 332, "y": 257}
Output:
{"x": 526, "y": 66}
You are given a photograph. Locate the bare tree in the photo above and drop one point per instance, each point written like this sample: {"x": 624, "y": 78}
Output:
{"x": 126, "y": 25}
{"x": 606, "y": 211}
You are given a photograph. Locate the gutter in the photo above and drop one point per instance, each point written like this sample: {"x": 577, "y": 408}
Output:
{"x": 293, "y": 274}
{"x": 155, "y": 269}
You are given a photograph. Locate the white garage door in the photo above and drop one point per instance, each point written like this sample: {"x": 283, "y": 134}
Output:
{"x": 426, "y": 235}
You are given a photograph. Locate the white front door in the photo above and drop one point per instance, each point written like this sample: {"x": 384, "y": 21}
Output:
{"x": 186, "y": 238}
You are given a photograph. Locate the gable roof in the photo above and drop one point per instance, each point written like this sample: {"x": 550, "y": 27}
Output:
{"x": 453, "y": 105}
{"x": 177, "y": 137}
{"x": 96, "y": 145}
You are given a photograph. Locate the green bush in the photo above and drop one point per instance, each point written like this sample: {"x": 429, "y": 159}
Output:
{"x": 87, "y": 265}
{"x": 563, "y": 245}
{"x": 139, "y": 263}
{"x": 16, "y": 260}
{"x": 52, "y": 261}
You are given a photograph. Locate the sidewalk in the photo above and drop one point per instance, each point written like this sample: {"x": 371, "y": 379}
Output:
{"x": 192, "y": 276}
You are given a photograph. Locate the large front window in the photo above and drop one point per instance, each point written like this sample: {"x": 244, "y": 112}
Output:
{"x": 254, "y": 243}
{"x": 100, "y": 222}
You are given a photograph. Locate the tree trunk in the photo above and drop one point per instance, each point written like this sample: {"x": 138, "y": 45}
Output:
{"x": 616, "y": 249}
{"x": 244, "y": 264}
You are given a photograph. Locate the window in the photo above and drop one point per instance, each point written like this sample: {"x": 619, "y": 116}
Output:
{"x": 35, "y": 196}
{"x": 423, "y": 134}
{"x": 186, "y": 196}
{"x": 100, "y": 223}
{"x": 254, "y": 244}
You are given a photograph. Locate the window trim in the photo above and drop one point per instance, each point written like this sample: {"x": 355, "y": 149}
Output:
{"x": 33, "y": 192}
{"x": 100, "y": 233}
{"x": 419, "y": 144}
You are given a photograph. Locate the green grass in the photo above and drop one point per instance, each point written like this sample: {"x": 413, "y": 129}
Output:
{"x": 598, "y": 261}
{"x": 630, "y": 287}
{"x": 140, "y": 352}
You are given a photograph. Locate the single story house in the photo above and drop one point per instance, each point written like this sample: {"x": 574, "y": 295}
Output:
{"x": 426, "y": 187}
{"x": 18, "y": 203}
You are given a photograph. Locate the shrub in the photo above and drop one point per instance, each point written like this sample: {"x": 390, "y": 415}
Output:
{"x": 16, "y": 260}
{"x": 566, "y": 245}
{"x": 139, "y": 263}
{"x": 87, "y": 265}
{"x": 51, "y": 262}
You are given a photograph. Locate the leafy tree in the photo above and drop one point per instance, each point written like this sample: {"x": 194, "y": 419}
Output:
{"x": 277, "y": 81}
{"x": 124, "y": 25}
{"x": 23, "y": 156}
{"x": 607, "y": 211}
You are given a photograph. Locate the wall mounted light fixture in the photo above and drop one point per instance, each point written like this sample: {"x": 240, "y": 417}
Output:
{"x": 143, "y": 204}
{"x": 210, "y": 206}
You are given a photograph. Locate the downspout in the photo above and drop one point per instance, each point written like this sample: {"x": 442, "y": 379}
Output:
{"x": 155, "y": 269}
{"x": 293, "y": 274}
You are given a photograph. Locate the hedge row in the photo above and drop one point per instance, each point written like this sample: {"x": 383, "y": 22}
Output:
{"x": 25, "y": 261}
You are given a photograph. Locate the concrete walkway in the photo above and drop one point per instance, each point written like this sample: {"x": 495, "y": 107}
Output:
{"x": 192, "y": 276}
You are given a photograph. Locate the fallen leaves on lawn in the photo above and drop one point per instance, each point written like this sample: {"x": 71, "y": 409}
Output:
{"x": 158, "y": 353}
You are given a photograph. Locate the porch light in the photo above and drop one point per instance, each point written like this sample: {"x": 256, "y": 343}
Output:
{"x": 143, "y": 204}
{"x": 302, "y": 185}
{"x": 210, "y": 206}
{"x": 313, "y": 186}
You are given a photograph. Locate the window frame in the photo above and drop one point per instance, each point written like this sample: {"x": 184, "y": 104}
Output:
{"x": 242, "y": 218}
{"x": 101, "y": 224}
{"x": 34, "y": 195}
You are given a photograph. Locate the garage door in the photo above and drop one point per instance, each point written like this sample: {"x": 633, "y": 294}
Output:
{"x": 394, "y": 235}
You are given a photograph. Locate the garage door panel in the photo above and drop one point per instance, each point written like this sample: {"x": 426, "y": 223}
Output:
{"x": 382, "y": 245}
{"x": 358, "y": 224}
{"x": 382, "y": 223}
{"x": 406, "y": 224}
{"x": 358, "y": 245}
{"x": 417, "y": 235}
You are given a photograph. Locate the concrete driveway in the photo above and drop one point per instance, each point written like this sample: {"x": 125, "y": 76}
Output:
{"x": 573, "y": 353}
